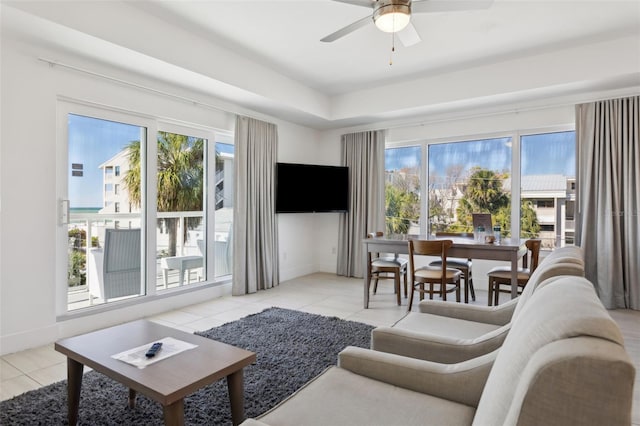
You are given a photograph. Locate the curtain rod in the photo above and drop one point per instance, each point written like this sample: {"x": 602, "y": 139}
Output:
{"x": 53, "y": 63}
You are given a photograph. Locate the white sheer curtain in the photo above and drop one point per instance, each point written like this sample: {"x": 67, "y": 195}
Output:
{"x": 255, "y": 226}
{"x": 608, "y": 227}
{"x": 363, "y": 153}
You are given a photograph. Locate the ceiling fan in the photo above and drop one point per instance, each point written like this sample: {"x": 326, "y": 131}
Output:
{"x": 394, "y": 16}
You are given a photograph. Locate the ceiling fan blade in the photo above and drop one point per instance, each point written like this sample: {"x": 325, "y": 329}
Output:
{"x": 409, "y": 36}
{"x": 364, "y": 3}
{"x": 426, "y": 6}
{"x": 347, "y": 30}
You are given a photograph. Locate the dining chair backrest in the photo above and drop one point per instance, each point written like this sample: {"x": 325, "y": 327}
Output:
{"x": 376, "y": 234}
{"x": 533, "y": 247}
{"x": 429, "y": 248}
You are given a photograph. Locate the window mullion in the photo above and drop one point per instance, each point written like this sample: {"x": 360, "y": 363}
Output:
{"x": 515, "y": 185}
{"x": 150, "y": 193}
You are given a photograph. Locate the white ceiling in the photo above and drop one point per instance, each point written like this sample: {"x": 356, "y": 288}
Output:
{"x": 268, "y": 54}
{"x": 285, "y": 35}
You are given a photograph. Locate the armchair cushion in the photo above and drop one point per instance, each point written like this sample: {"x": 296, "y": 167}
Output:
{"x": 462, "y": 382}
{"x": 340, "y": 397}
{"x": 415, "y": 343}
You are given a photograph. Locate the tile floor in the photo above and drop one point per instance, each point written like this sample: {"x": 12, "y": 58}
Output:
{"x": 321, "y": 293}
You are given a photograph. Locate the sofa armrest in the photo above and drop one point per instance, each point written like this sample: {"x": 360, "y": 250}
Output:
{"x": 498, "y": 315}
{"x": 435, "y": 348}
{"x": 462, "y": 382}
{"x": 582, "y": 380}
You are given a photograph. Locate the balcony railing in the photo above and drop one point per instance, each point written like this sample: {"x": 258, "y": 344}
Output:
{"x": 189, "y": 244}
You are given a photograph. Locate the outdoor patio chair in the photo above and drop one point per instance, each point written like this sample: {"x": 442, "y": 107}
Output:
{"x": 114, "y": 271}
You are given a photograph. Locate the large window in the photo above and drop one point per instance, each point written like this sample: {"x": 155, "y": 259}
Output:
{"x": 477, "y": 176}
{"x": 548, "y": 187}
{"x": 146, "y": 207}
{"x": 402, "y": 190}
{"x": 469, "y": 177}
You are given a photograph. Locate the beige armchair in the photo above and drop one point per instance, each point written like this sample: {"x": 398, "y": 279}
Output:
{"x": 449, "y": 333}
{"x": 563, "y": 363}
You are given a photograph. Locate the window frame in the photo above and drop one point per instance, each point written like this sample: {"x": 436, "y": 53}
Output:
{"x": 153, "y": 125}
{"x": 516, "y": 160}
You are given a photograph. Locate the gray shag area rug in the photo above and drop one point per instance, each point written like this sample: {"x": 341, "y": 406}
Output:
{"x": 292, "y": 347}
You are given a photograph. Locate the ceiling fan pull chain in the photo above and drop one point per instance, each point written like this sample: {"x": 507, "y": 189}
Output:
{"x": 393, "y": 48}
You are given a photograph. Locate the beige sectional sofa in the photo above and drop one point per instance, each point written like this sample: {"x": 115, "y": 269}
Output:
{"x": 562, "y": 363}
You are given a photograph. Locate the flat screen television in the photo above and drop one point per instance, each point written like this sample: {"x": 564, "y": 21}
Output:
{"x": 310, "y": 188}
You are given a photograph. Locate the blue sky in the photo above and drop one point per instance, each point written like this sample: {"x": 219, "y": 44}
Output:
{"x": 551, "y": 153}
{"x": 93, "y": 141}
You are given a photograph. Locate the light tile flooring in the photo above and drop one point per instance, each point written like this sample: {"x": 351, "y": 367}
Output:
{"x": 321, "y": 293}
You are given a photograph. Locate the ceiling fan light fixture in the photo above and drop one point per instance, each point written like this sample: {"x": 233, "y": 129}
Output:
{"x": 392, "y": 18}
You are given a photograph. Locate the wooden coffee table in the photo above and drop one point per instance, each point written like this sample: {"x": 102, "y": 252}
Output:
{"x": 167, "y": 381}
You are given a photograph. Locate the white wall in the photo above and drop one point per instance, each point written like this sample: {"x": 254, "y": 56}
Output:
{"x": 28, "y": 216}
{"x": 28, "y": 203}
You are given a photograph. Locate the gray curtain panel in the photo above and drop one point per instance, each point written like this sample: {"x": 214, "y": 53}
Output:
{"x": 255, "y": 226}
{"x": 608, "y": 221}
{"x": 363, "y": 153}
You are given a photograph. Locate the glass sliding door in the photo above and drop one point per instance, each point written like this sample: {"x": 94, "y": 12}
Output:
{"x": 224, "y": 190}
{"x": 181, "y": 225}
{"x": 145, "y": 207}
{"x": 104, "y": 211}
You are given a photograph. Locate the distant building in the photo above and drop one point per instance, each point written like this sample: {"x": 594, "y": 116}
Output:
{"x": 114, "y": 194}
{"x": 553, "y": 199}
{"x": 224, "y": 187}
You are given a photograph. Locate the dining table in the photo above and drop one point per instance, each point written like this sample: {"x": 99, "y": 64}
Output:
{"x": 510, "y": 250}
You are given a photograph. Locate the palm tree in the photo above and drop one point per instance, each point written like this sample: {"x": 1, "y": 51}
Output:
{"x": 180, "y": 178}
{"x": 484, "y": 191}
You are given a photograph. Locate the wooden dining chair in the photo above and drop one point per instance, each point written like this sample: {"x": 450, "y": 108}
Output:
{"x": 464, "y": 265}
{"x": 383, "y": 267}
{"x": 500, "y": 276}
{"x": 441, "y": 280}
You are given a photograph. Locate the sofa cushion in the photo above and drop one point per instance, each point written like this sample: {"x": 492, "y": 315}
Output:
{"x": 340, "y": 397}
{"x": 443, "y": 326}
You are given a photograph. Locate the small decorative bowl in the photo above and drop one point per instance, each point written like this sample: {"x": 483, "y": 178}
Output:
{"x": 489, "y": 239}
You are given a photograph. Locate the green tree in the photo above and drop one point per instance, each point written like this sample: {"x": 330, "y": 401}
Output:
{"x": 401, "y": 208}
{"x": 484, "y": 194}
{"x": 529, "y": 226}
{"x": 484, "y": 191}
{"x": 180, "y": 177}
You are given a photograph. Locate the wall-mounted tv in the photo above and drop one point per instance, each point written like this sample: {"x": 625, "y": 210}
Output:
{"x": 310, "y": 188}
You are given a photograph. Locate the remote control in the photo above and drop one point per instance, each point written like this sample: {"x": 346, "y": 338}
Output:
{"x": 153, "y": 349}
